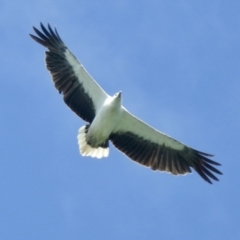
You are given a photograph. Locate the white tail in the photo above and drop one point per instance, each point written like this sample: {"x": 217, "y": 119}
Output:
{"x": 87, "y": 150}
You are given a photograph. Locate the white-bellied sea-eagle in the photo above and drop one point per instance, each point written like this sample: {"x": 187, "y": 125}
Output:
{"x": 108, "y": 120}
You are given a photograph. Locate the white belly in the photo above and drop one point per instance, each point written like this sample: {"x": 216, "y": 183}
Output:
{"x": 103, "y": 124}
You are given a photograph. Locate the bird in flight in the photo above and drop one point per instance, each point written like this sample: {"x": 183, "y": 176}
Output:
{"x": 108, "y": 120}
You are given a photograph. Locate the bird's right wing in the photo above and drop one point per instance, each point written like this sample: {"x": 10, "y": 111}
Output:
{"x": 149, "y": 147}
{"x": 81, "y": 93}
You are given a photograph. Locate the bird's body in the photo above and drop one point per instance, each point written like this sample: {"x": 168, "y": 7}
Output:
{"x": 109, "y": 120}
{"x": 105, "y": 122}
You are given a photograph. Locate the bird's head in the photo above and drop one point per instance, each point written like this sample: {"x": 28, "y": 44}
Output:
{"x": 118, "y": 94}
{"x": 117, "y": 97}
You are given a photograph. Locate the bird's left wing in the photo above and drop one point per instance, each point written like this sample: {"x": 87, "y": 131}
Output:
{"x": 149, "y": 147}
{"x": 81, "y": 93}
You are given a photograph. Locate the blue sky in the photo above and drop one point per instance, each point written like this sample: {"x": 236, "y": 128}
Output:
{"x": 178, "y": 66}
